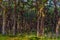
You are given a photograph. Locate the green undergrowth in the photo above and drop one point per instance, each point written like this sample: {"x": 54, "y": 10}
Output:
{"x": 27, "y": 37}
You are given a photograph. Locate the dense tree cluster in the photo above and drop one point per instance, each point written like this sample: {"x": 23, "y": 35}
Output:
{"x": 29, "y": 16}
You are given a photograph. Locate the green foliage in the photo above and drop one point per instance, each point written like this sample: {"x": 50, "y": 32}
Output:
{"x": 44, "y": 1}
{"x": 34, "y": 38}
{"x": 28, "y": 37}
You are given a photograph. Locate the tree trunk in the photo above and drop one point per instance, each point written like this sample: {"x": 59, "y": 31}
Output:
{"x": 18, "y": 19}
{"x": 4, "y": 22}
{"x": 40, "y": 21}
{"x": 56, "y": 16}
{"x": 18, "y": 24}
{"x": 14, "y": 24}
{"x": 14, "y": 17}
{"x": 57, "y": 28}
{"x": 38, "y": 29}
{"x": 4, "y": 18}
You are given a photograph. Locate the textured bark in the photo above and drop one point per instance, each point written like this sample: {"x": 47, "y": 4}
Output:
{"x": 57, "y": 28}
{"x": 18, "y": 18}
{"x": 40, "y": 18}
{"x": 4, "y": 22}
{"x": 14, "y": 17}
{"x": 18, "y": 23}
{"x": 56, "y": 16}
{"x": 4, "y": 19}
{"x": 38, "y": 29}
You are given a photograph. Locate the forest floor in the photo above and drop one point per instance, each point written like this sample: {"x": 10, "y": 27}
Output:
{"x": 27, "y": 37}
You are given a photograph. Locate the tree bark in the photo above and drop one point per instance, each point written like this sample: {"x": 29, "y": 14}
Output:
{"x": 4, "y": 22}
{"x": 57, "y": 27}
{"x": 14, "y": 17}
{"x": 56, "y": 16}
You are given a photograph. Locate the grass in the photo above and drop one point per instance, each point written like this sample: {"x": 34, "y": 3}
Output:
{"x": 27, "y": 37}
